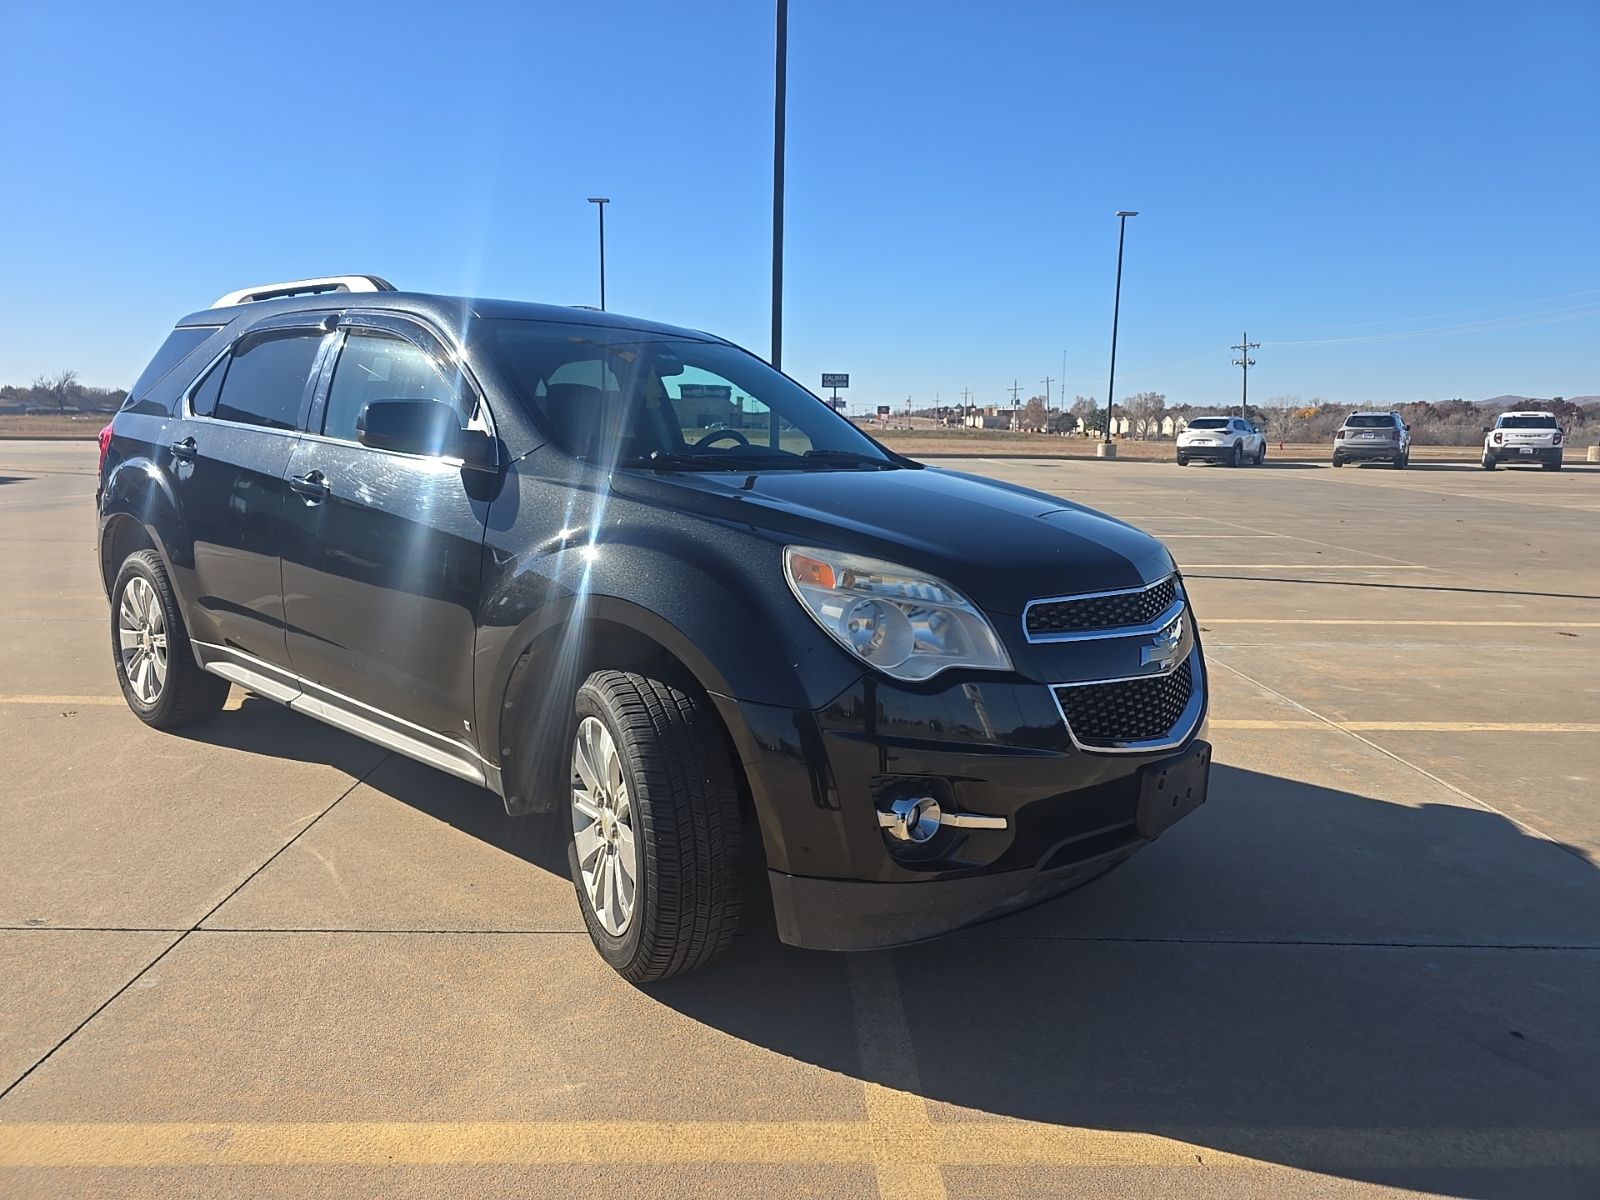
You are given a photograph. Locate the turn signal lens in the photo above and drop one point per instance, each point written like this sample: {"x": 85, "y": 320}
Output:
{"x": 105, "y": 445}
{"x": 812, "y": 571}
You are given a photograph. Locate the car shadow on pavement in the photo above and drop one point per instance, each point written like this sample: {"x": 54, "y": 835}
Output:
{"x": 1299, "y": 975}
{"x": 1296, "y": 974}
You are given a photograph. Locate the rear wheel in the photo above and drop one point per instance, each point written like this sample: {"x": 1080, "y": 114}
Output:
{"x": 655, "y": 842}
{"x": 1402, "y": 461}
{"x": 155, "y": 664}
{"x": 1337, "y": 461}
{"x": 1238, "y": 455}
{"x": 1183, "y": 460}
{"x": 1552, "y": 464}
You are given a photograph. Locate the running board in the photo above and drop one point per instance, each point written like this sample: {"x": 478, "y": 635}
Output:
{"x": 372, "y": 725}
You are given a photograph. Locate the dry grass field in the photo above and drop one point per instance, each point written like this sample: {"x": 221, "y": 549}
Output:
{"x": 52, "y": 427}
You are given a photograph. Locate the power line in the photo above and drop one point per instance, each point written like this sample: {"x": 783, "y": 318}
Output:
{"x": 1244, "y": 362}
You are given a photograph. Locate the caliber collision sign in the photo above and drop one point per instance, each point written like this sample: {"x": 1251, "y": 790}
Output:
{"x": 835, "y": 381}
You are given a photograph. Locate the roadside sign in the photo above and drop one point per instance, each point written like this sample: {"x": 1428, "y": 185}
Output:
{"x": 835, "y": 381}
{"x": 883, "y": 410}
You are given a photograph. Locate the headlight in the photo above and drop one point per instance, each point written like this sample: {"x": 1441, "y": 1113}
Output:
{"x": 908, "y": 625}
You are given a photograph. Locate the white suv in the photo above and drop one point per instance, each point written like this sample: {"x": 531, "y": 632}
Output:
{"x": 1232, "y": 440}
{"x": 1526, "y": 437}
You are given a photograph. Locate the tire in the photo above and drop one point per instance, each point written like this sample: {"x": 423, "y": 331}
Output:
{"x": 1337, "y": 461}
{"x": 1553, "y": 464}
{"x": 150, "y": 650}
{"x": 1182, "y": 461}
{"x": 1402, "y": 461}
{"x": 1238, "y": 455}
{"x": 1261, "y": 454}
{"x": 1489, "y": 463}
{"x": 668, "y": 787}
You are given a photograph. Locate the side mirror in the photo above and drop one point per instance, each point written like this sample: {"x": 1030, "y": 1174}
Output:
{"x": 1487, "y": 428}
{"x": 428, "y": 427}
{"x": 1408, "y": 429}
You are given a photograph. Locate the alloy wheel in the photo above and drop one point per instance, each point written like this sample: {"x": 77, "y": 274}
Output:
{"x": 142, "y": 640}
{"x": 602, "y": 827}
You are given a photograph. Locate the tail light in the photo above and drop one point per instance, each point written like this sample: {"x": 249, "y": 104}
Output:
{"x": 105, "y": 445}
{"x": 1497, "y": 437}
{"x": 1339, "y": 437}
{"x": 1556, "y": 441}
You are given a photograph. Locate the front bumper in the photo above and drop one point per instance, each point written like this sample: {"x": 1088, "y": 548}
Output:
{"x": 818, "y": 781}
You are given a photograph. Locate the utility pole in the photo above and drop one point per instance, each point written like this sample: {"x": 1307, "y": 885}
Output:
{"x": 1244, "y": 362}
{"x": 780, "y": 74}
{"x": 1015, "y": 388}
{"x": 1106, "y": 447}
{"x": 1047, "y": 381}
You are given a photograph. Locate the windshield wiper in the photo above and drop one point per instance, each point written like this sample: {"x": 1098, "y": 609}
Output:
{"x": 847, "y": 458}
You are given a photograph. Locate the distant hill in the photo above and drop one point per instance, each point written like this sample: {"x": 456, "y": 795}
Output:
{"x": 1507, "y": 402}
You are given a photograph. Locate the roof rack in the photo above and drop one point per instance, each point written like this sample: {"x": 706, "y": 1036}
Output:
{"x": 304, "y": 287}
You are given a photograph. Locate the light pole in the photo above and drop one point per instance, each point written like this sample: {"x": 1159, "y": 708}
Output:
{"x": 1106, "y": 448}
{"x": 780, "y": 87}
{"x": 600, "y": 203}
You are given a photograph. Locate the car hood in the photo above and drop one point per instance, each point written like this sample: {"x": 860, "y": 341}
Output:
{"x": 1002, "y": 545}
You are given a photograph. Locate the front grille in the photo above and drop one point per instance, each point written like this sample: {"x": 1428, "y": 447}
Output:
{"x": 1101, "y": 612}
{"x": 1129, "y": 710}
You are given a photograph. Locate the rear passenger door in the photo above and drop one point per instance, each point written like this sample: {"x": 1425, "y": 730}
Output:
{"x": 240, "y": 422}
{"x": 381, "y": 569}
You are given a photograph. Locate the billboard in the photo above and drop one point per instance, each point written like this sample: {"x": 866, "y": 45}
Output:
{"x": 835, "y": 381}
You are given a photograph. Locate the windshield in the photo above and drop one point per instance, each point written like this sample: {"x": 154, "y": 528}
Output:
{"x": 631, "y": 398}
{"x": 1369, "y": 423}
{"x": 1209, "y": 423}
{"x": 1527, "y": 423}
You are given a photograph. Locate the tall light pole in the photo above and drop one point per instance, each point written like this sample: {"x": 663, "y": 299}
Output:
{"x": 780, "y": 88}
{"x": 1106, "y": 450}
{"x": 600, "y": 203}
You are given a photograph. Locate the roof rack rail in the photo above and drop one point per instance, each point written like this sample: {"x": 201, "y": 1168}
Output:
{"x": 304, "y": 287}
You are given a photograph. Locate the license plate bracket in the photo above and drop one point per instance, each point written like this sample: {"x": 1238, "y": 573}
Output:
{"x": 1170, "y": 791}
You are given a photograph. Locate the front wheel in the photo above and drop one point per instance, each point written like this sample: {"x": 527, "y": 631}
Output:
{"x": 655, "y": 846}
{"x": 1183, "y": 461}
{"x": 160, "y": 679}
{"x": 1489, "y": 463}
{"x": 1261, "y": 454}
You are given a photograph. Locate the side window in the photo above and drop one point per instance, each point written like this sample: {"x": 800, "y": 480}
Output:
{"x": 379, "y": 366}
{"x": 203, "y": 401}
{"x": 266, "y": 380}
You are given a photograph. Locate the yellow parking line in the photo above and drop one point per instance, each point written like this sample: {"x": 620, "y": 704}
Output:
{"x": 913, "y": 1154}
{"x": 1418, "y": 726}
{"x": 236, "y": 697}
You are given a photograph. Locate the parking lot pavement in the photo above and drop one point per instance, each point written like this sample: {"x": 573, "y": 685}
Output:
{"x": 267, "y": 958}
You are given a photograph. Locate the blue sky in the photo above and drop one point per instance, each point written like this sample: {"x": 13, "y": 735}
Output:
{"x": 1398, "y": 200}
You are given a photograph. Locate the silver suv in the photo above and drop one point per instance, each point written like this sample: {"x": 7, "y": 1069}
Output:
{"x": 1377, "y": 437}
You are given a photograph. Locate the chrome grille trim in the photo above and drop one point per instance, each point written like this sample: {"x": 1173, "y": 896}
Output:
{"x": 1188, "y": 720}
{"x": 1150, "y": 627}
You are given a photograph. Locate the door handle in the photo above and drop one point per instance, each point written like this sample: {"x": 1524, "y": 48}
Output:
{"x": 184, "y": 449}
{"x": 313, "y": 486}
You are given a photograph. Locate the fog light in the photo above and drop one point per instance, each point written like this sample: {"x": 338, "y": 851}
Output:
{"x": 911, "y": 818}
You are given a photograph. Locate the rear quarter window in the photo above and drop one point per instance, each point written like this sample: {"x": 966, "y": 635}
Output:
{"x": 180, "y": 343}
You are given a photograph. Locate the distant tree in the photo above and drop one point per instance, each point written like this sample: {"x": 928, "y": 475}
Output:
{"x": 1278, "y": 416}
{"x": 1089, "y": 415}
{"x": 1062, "y": 421}
{"x": 59, "y": 388}
{"x": 1144, "y": 411}
{"x": 1034, "y": 415}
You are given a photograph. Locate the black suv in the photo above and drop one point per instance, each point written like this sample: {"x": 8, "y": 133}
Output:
{"x": 633, "y": 577}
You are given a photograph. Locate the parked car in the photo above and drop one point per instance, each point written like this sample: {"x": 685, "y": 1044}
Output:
{"x": 1523, "y": 437}
{"x": 475, "y": 532}
{"x": 1231, "y": 440}
{"x": 1373, "y": 437}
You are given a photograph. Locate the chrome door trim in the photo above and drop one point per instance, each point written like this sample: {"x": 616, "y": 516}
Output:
{"x": 344, "y": 712}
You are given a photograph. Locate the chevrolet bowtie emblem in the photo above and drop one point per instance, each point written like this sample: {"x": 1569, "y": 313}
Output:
{"x": 1162, "y": 653}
